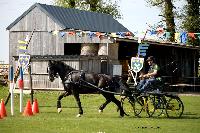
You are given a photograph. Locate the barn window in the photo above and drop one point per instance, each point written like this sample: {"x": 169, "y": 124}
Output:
{"x": 72, "y": 48}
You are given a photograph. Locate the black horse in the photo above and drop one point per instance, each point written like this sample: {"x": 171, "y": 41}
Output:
{"x": 76, "y": 82}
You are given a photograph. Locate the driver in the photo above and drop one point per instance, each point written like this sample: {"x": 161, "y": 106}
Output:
{"x": 150, "y": 77}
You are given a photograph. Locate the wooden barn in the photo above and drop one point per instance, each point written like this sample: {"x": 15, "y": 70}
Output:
{"x": 85, "y": 41}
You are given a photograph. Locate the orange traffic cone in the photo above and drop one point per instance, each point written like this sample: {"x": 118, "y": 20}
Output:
{"x": 35, "y": 108}
{"x": 1, "y": 117}
{"x": 28, "y": 109}
{"x": 3, "y": 109}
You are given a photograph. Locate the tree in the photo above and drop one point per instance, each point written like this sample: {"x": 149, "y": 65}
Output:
{"x": 167, "y": 13}
{"x": 102, "y": 6}
{"x": 190, "y": 19}
{"x": 66, "y": 3}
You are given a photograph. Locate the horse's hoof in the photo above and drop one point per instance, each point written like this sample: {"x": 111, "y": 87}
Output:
{"x": 122, "y": 114}
{"x": 59, "y": 110}
{"x": 100, "y": 111}
{"x": 79, "y": 115}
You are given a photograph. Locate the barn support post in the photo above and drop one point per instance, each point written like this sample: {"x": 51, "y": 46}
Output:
{"x": 194, "y": 71}
{"x": 30, "y": 82}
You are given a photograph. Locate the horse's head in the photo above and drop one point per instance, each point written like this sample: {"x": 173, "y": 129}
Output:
{"x": 52, "y": 70}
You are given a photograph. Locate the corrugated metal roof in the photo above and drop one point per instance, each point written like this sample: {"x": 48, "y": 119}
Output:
{"x": 69, "y": 18}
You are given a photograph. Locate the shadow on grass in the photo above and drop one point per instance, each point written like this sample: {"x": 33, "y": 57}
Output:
{"x": 51, "y": 106}
{"x": 189, "y": 115}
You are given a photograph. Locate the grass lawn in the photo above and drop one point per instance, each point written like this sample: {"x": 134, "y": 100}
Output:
{"x": 49, "y": 121}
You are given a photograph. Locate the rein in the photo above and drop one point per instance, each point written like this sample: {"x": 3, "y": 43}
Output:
{"x": 101, "y": 89}
{"x": 68, "y": 78}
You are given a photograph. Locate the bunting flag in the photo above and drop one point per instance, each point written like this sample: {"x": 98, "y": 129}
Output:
{"x": 90, "y": 34}
{"x": 167, "y": 35}
{"x": 177, "y": 37}
{"x": 55, "y": 32}
{"x": 183, "y": 37}
{"x": 122, "y": 34}
{"x": 198, "y": 35}
{"x": 22, "y": 42}
{"x": 71, "y": 33}
{"x": 113, "y": 35}
{"x": 160, "y": 30}
{"x": 98, "y": 34}
{"x": 22, "y": 47}
{"x": 79, "y": 34}
{"x": 156, "y": 33}
{"x": 27, "y": 38}
{"x": 191, "y": 35}
{"x": 62, "y": 34}
{"x": 128, "y": 34}
{"x": 23, "y": 51}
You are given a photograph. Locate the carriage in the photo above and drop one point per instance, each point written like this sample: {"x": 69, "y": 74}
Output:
{"x": 153, "y": 103}
{"x": 132, "y": 102}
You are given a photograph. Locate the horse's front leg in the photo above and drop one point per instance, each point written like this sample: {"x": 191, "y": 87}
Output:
{"x": 59, "y": 108}
{"x": 66, "y": 93}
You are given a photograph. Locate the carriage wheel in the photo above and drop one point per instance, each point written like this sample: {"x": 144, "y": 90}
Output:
{"x": 128, "y": 106}
{"x": 159, "y": 105}
{"x": 150, "y": 106}
{"x": 174, "y": 107}
{"x": 141, "y": 106}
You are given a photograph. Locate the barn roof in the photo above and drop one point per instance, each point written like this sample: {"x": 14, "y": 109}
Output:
{"x": 69, "y": 18}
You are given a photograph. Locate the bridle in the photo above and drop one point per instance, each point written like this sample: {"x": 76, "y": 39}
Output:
{"x": 52, "y": 74}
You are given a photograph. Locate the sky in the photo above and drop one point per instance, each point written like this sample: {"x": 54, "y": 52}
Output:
{"x": 136, "y": 15}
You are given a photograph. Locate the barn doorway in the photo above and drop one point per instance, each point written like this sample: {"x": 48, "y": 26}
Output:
{"x": 125, "y": 52}
{"x": 72, "y": 48}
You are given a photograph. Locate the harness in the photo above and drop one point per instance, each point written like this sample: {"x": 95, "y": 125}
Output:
{"x": 116, "y": 87}
{"x": 68, "y": 78}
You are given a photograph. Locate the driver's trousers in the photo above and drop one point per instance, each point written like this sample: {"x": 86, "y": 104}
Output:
{"x": 144, "y": 84}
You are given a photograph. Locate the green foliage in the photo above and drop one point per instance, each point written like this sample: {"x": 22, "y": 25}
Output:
{"x": 191, "y": 20}
{"x": 49, "y": 121}
{"x": 101, "y": 6}
{"x": 66, "y": 3}
{"x": 110, "y": 8}
{"x": 158, "y": 3}
{"x": 167, "y": 13}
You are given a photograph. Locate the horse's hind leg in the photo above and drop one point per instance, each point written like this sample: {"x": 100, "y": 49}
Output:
{"x": 76, "y": 96}
{"x": 59, "y": 108}
{"x": 109, "y": 98}
{"x": 118, "y": 103}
